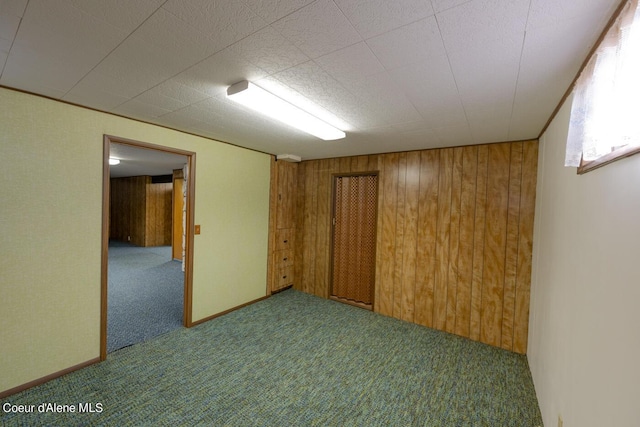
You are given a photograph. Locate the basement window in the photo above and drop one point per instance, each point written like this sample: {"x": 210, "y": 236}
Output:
{"x": 605, "y": 125}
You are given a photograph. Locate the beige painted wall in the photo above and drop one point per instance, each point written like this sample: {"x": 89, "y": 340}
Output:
{"x": 50, "y": 229}
{"x": 584, "y": 336}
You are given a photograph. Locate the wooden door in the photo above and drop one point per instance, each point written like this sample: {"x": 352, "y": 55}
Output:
{"x": 354, "y": 238}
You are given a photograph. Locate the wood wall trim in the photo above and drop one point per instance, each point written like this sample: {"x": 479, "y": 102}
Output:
{"x": 273, "y": 206}
{"x": 49, "y": 377}
{"x": 188, "y": 274}
{"x": 104, "y": 254}
{"x": 190, "y": 235}
{"x": 622, "y": 153}
{"x": 222, "y": 313}
{"x": 454, "y": 233}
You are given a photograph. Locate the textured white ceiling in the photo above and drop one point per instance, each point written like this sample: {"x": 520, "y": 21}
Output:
{"x": 395, "y": 75}
{"x": 136, "y": 161}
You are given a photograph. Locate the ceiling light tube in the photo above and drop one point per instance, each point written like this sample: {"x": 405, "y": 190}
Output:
{"x": 113, "y": 161}
{"x": 256, "y": 98}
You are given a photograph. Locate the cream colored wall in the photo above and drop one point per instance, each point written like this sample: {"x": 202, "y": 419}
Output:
{"x": 584, "y": 336}
{"x": 231, "y": 252}
{"x": 50, "y": 229}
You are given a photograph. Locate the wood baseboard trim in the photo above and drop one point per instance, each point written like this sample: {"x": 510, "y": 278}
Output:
{"x": 46, "y": 378}
{"x": 206, "y": 319}
{"x": 281, "y": 289}
{"x": 50, "y": 377}
{"x": 351, "y": 302}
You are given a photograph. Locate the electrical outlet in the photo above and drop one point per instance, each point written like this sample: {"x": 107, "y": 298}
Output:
{"x": 560, "y": 422}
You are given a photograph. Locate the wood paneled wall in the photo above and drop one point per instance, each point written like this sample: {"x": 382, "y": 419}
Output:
{"x": 454, "y": 236}
{"x": 128, "y": 209}
{"x": 159, "y": 215}
{"x": 141, "y": 210}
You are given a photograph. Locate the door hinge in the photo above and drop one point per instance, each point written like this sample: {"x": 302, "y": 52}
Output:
{"x": 333, "y": 221}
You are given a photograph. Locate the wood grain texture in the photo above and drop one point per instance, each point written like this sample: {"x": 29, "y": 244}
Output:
{"x": 323, "y": 228}
{"x": 375, "y": 165}
{"x": 478, "y": 242}
{"x": 412, "y": 198}
{"x": 443, "y": 229}
{"x": 426, "y": 244}
{"x": 310, "y": 228}
{"x": 286, "y": 191}
{"x": 399, "y": 236}
{"x": 273, "y": 210}
{"x": 495, "y": 243}
{"x": 511, "y": 255}
{"x": 140, "y": 212}
{"x": 283, "y": 205}
{"x": 158, "y": 214}
{"x": 177, "y": 229}
{"x": 128, "y": 209}
{"x": 388, "y": 245}
{"x": 466, "y": 239}
{"x": 300, "y": 229}
{"x": 454, "y": 236}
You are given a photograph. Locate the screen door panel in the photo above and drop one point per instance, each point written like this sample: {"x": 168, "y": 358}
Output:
{"x": 354, "y": 237}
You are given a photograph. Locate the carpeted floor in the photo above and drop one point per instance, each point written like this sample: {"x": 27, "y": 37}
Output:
{"x": 145, "y": 294}
{"x": 296, "y": 360}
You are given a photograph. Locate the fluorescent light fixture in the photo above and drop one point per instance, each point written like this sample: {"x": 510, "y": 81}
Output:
{"x": 256, "y": 98}
{"x": 113, "y": 161}
{"x": 289, "y": 158}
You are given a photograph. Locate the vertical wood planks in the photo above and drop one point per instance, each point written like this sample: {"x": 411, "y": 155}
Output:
{"x": 442, "y": 239}
{"x": 399, "y": 235}
{"x": 309, "y": 234}
{"x": 511, "y": 255}
{"x": 389, "y": 210}
{"x": 454, "y": 239}
{"x": 478, "y": 242}
{"x": 454, "y": 236}
{"x": 375, "y": 164}
{"x": 140, "y": 210}
{"x": 299, "y": 256}
{"x": 426, "y": 244}
{"x": 412, "y": 198}
{"x": 495, "y": 243}
{"x": 323, "y": 229}
{"x": 466, "y": 239}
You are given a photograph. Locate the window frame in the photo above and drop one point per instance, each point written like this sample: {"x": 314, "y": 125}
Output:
{"x": 619, "y": 154}
{"x": 616, "y": 153}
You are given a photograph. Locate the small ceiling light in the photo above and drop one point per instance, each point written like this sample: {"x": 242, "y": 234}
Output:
{"x": 256, "y": 98}
{"x": 113, "y": 161}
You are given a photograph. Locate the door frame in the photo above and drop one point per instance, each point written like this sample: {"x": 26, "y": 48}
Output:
{"x": 189, "y": 230}
{"x": 334, "y": 177}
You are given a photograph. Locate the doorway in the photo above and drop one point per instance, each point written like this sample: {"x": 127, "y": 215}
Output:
{"x": 355, "y": 211}
{"x": 144, "y": 160}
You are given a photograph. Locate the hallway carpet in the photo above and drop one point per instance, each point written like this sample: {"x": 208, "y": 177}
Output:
{"x": 145, "y": 294}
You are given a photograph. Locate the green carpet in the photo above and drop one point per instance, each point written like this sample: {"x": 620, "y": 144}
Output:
{"x": 296, "y": 360}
